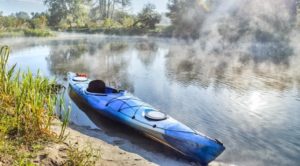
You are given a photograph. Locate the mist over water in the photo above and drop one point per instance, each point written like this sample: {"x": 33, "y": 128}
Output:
{"x": 240, "y": 38}
{"x": 239, "y": 82}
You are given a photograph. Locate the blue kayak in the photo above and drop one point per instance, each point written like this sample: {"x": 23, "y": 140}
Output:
{"x": 129, "y": 110}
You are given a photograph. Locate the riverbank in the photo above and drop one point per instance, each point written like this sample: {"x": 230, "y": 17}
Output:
{"x": 75, "y": 149}
{"x": 102, "y": 152}
{"x": 107, "y": 153}
{"x": 79, "y": 147}
{"x": 26, "y": 33}
{"x": 159, "y": 31}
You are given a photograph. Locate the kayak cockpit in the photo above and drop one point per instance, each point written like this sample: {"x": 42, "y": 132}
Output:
{"x": 99, "y": 87}
{"x": 95, "y": 87}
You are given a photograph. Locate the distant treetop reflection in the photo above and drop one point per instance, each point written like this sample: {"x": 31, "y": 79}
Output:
{"x": 96, "y": 58}
{"x": 147, "y": 51}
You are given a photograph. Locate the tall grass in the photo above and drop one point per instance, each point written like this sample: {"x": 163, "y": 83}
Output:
{"x": 27, "y": 103}
{"x": 65, "y": 116}
{"x": 86, "y": 156}
{"x": 27, "y": 109}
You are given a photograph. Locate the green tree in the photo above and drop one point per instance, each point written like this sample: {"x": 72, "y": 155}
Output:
{"x": 39, "y": 22}
{"x": 71, "y": 12}
{"x": 107, "y": 8}
{"x": 78, "y": 12}
{"x": 148, "y": 17}
{"x": 58, "y": 10}
{"x": 22, "y": 15}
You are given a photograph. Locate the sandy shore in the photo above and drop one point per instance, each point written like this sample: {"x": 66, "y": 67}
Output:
{"x": 108, "y": 154}
{"x": 112, "y": 150}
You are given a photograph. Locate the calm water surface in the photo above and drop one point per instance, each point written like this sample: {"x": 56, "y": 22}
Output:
{"x": 249, "y": 100}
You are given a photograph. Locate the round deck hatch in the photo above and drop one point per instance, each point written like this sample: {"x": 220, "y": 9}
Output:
{"x": 79, "y": 78}
{"x": 156, "y": 115}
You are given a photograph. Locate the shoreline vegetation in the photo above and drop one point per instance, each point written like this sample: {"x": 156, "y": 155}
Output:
{"x": 160, "y": 31}
{"x": 26, "y": 33}
{"x": 21, "y": 24}
{"x": 27, "y": 108}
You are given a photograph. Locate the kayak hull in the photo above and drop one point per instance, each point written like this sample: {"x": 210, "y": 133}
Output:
{"x": 131, "y": 111}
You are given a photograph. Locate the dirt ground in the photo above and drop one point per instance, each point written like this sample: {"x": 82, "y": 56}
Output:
{"x": 107, "y": 154}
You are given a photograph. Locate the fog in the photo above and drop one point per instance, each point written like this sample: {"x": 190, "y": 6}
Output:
{"x": 241, "y": 38}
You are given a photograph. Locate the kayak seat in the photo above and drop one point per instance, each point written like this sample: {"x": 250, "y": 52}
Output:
{"x": 96, "y": 86}
{"x": 111, "y": 90}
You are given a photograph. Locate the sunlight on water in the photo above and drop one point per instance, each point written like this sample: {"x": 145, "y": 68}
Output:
{"x": 256, "y": 102}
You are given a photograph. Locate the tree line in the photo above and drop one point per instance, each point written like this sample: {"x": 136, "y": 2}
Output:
{"x": 23, "y": 20}
{"x": 188, "y": 17}
{"x": 80, "y": 14}
{"x": 99, "y": 13}
{"x": 110, "y": 15}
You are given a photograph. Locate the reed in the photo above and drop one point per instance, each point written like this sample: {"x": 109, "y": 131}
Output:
{"x": 27, "y": 109}
{"x": 27, "y": 103}
{"x": 65, "y": 120}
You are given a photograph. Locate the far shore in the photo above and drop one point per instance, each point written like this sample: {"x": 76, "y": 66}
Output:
{"x": 163, "y": 31}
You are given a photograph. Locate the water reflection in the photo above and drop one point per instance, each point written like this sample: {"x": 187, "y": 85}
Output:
{"x": 61, "y": 56}
{"x": 97, "y": 59}
{"x": 247, "y": 95}
{"x": 235, "y": 69}
{"x": 147, "y": 52}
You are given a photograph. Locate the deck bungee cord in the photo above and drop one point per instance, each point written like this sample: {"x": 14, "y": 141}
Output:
{"x": 136, "y": 110}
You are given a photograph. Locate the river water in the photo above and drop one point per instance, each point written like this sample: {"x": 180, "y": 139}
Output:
{"x": 251, "y": 102}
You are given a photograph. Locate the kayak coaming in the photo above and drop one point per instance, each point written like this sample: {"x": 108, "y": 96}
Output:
{"x": 169, "y": 132}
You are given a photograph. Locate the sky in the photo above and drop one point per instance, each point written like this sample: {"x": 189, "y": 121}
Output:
{"x": 13, "y": 6}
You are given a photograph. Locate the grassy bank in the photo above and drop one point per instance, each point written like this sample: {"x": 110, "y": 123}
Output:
{"x": 160, "y": 31}
{"x": 27, "y": 108}
{"x": 26, "y": 32}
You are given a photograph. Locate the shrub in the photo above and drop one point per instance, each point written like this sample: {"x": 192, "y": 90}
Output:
{"x": 37, "y": 33}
